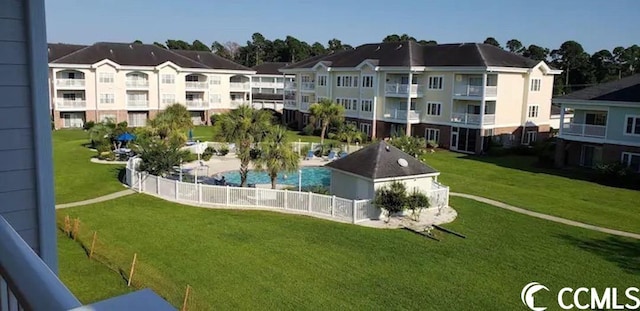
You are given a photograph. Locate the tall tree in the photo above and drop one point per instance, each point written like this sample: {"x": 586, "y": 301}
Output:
{"x": 197, "y": 45}
{"x": 137, "y": 42}
{"x": 259, "y": 44}
{"x": 245, "y": 127}
{"x": 574, "y": 62}
{"x": 159, "y": 45}
{"x": 349, "y": 133}
{"x": 428, "y": 42}
{"x": 172, "y": 123}
{"x": 603, "y": 66}
{"x": 398, "y": 38}
{"x": 335, "y": 45}
{"x": 178, "y": 45}
{"x": 326, "y": 112}
{"x": 318, "y": 49}
{"x": 536, "y": 53}
{"x": 492, "y": 41}
{"x": 277, "y": 155}
{"x": 515, "y": 46}
{"x": 220, "y": 50}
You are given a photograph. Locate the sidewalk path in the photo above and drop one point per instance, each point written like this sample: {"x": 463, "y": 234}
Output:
{"x": 107, "y": 197}
{"x": 545, "y": 216}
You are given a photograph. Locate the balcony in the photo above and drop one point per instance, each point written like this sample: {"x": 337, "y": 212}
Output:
{"x": 584, "y": 130}
{"x": 70, "y": 83}
{"x": 305, "y": 106}
{"x": 467, "y": 90}
{"x": 289, "y": 103}
{"x": 235, "y": 103}
{"x": 196, "y": 85}
{"x": 197, "y": 104}
{"x": 403, "y": 90}
{"x": 307, "y": 86}
{"x": 469, "y": 118}
{"x": 401, "y": 115}
{"x": 137, "y": 103}
{"x": 70, "y": 104}
{"x": 137, "y": 84}
{"x": 290, "y": 85}
{"x": 240, "y": 86}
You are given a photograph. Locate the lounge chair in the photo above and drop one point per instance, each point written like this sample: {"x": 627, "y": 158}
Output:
{"x": 309, "y": 155}
{"x": 342, "y": 155}
{"x": 331, "y": 156}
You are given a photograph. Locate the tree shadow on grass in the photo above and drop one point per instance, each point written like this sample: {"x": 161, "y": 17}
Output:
{"x": 120, "y": 173}
{"x": 623, "y": 252}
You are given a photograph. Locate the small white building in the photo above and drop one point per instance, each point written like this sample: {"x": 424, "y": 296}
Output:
{"x": 358, "y": 175}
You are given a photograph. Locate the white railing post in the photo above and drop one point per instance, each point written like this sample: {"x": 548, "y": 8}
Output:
{"x": 353, "y": 208}
{"x": 226, "y": 201}
{"x": 199, "y": 193}
{"x": 285, "y": 198}
{"x": 255, "y": 195}
{"x": 176, "y": 185}
{"x": 309, "y": 202}
{"x": 333, "y": 206}
{"x": 140, "y": 182}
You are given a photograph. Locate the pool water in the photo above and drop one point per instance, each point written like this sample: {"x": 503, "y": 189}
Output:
{"x": 311, "y": 176}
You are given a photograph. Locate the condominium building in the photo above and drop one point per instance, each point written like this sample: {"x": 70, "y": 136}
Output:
{"x": 132, "y": 82}
{"x": 458, "y": 95}
{"x": 267, "y": 86}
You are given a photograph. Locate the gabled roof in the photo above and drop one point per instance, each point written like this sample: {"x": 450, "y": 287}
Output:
{"x": 410, "y": 53}
{"x": 269, "y": 68}
{"x": 380, "y": 160}
{"x": 211, "y": 60}
{"x": 57, "y": 50}
{"x": 127, "y": 54}
{"x": 623, "y": 90}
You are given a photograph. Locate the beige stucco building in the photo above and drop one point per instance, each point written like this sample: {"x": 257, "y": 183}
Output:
{"x": 458, "y": 95}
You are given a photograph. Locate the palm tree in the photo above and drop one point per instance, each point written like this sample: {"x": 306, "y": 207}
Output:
{"x": 326, "y": 112}
{"x": 102, "y": 133}
{"x": 349, "y": 132}
{"x": 277, "y": 155}
{"x": 245, "y": 127}
{"x": 174, "y": 120}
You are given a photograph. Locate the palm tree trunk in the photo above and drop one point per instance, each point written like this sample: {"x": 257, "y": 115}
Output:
{"x": 244, "y": 170}
{"x": 273, "y": 180}
{"x": 324, "y": 129}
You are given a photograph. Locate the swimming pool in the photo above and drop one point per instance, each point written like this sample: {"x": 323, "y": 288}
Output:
{"x": 311, "y": 176}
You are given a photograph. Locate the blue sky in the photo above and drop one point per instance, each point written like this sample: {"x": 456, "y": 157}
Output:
{"x": 595, "y": 24}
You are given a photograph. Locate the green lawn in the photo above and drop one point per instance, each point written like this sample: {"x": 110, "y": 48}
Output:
{"x": 76, "y": 178}
{"x": 516, "y": 180}
{"x": 263, "y": 260}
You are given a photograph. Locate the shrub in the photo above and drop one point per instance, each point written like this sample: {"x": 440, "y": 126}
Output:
{"x": 416, "y": 201}
{"x": 307, "y": 130}
{"x": 316, "y": 189}
{"x": 107, "y": 156}
{"x": 214, "y": 118}
{"x": 189, "y": 157}
{"x": 304, "y": 150}
{"x": 392, "y": 198}
{"x": 546, "y": 151}
{"x": 432, "y": 144}
{"x": 523, "y": 150}
{"x": 207, "y": 154}
{"x": 414, "y": 146}
{"x": 616, "y": 174}
{"x": 223, "y": 151}
{"x": 88, "y": 125}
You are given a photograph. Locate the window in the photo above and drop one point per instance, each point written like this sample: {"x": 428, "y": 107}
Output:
{"x": 595, "y": 118}
{"x": 435, "y": 83}
{"x": 366, "y": 105}
{"x": 632, "y": 126}
{"x": 322, "y": 80}
{"x": 532, "y": 111}
{"x": 137, "y": 119}
{"x": 214, "y": 80}
{"x": 168, "y": 79}
{"x": 432, "y": 135}
{"x": 106, "y": 77}
{"x": 348, "y": 103}
{"x": 632, "y": 160}
{"x": 168, "y": 99}
{"x": 530, "y": 137}
{"x": 434, "y": 109}
{"x": 367, "y": 81}
{"x": 305, "y": 98}
{"x": 535, "y": 85}
{"x": 107, "y": 99}
{"x": 590, "y": 155}
{"x": 215, "y": 98}
{"x": 110, "y": 117}
{"x": 305, "y": 78}
{"x": 347, "y": 81}
{"x": 366, "y": 128}
{"x": 305, "y": 119}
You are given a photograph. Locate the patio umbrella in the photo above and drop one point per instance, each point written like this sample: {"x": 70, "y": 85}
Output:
{"x": 126, "y": 136}
{"x": 190, "y": 134}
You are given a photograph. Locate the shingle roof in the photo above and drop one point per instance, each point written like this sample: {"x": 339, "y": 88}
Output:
{"x": 269, "y": 68}
{"x": 410, "y": 53}
{"x": 211, "y": 60}
{"x": 57, "y": 50}
{"x": 623, "y": 90}
{"x": 380, "y": 160}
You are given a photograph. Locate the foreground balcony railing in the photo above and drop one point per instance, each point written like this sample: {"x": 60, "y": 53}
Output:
{"x": 71, "y": 104}
{"x": 137, "y": 103}
{"x": 475, "y": 90}
{"x": 402, "y": 89}
{"x": 195, "y": 85}
{"x": 137, "y": 83}
{"x": 198, "y": 104}
{"x": 469, "y": 118}
{"x": 308, "y": 86}
{"x": 585, "y": 130}
{"x": 401, "y": 115}
{"x": 240, "y": 85}
{"x": 70, "y": 83}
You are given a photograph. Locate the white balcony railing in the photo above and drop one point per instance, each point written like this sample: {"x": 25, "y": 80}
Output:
{"x": 402, "y": 89}
{"x": 137, "y": 83}
{"x": 197, "y": 104}
{"x": 240, "y": 85}
{"x": 195, "y": 85}
{"x": 400, "y": 114}
{"x": 469, "y": 118}
{"x": 586, "y": 130}
{"x": 71, "y": 104}
{"x": 70, "y": 83}
{"x": 277, "y": 85}
{"x": 288, "y": 103}
{"x": 475, "y": 90}
{"x": 308, "y": 86}
{"x": 137, "y": 103}
{"x": 289, "y": 85}
{"x": 304, "y": 105}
